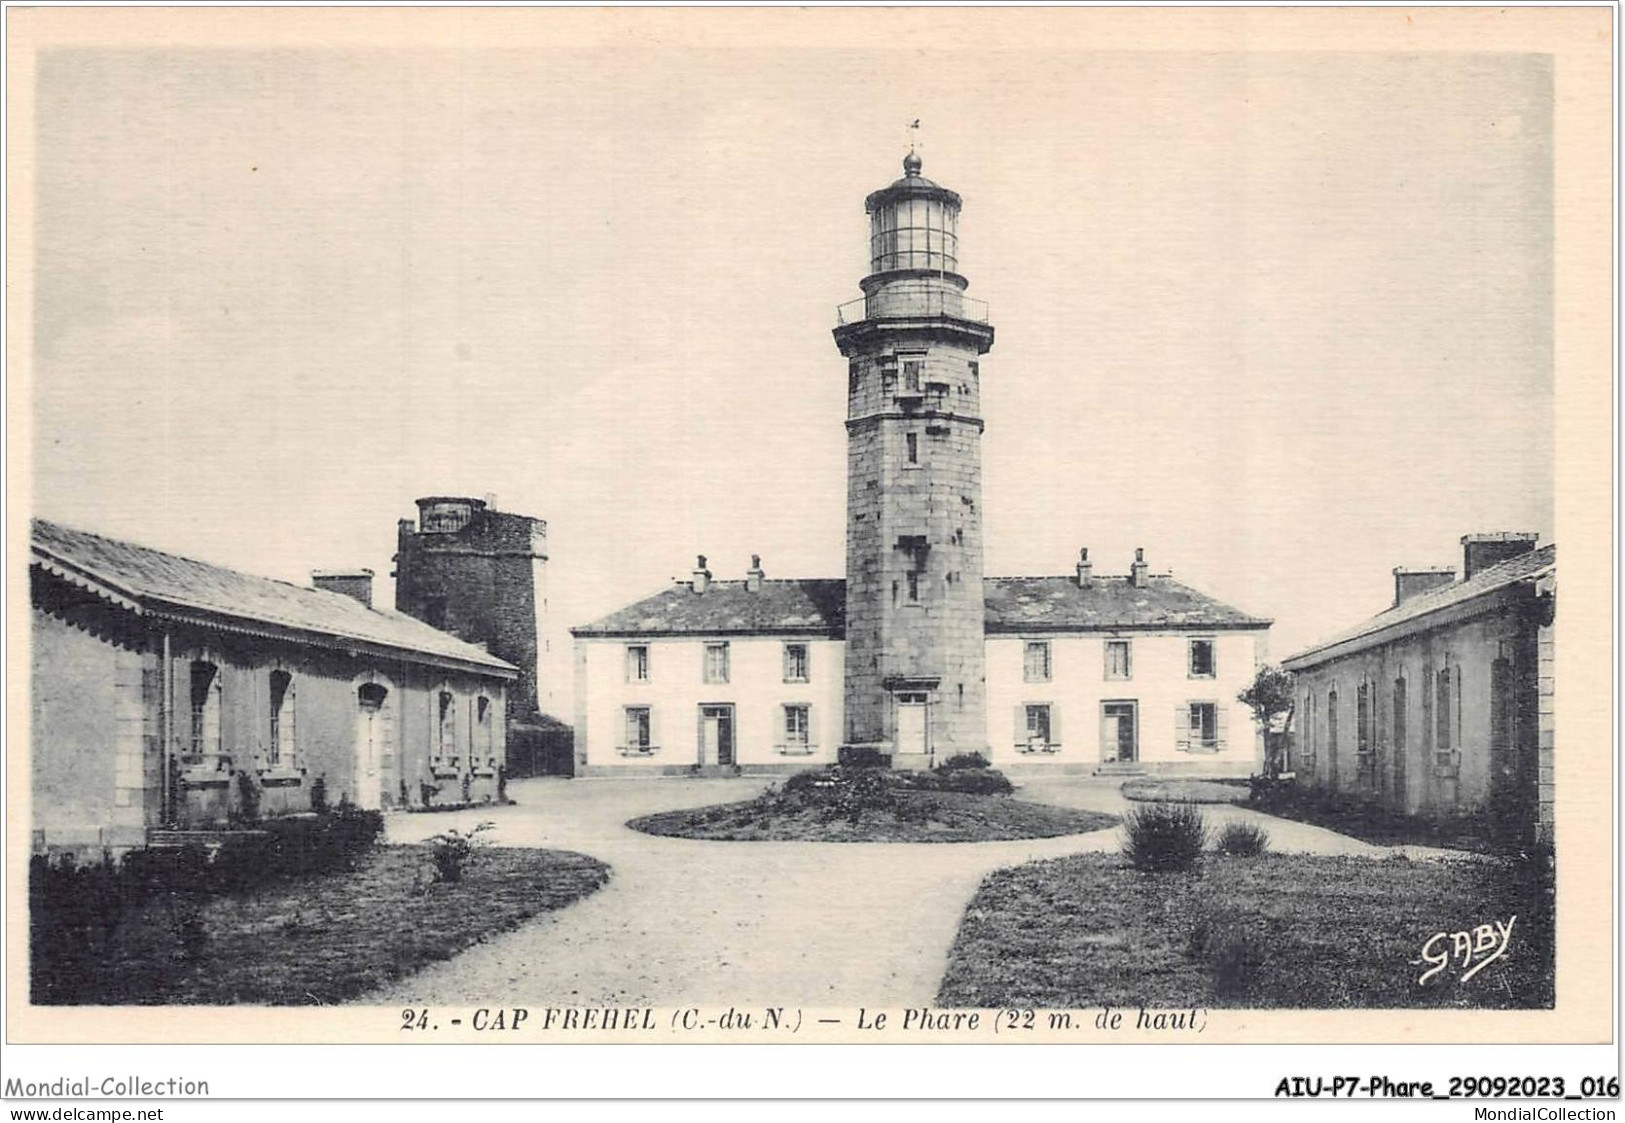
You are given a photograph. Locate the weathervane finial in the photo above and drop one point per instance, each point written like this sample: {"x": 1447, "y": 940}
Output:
{"x": 912, "y": 162}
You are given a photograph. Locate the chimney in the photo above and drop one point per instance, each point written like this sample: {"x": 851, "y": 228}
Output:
{"x": 1085, "y": 567}
{"x": 1413, "y": 582}
{"x": 1480, "y": 551}
{"x": 1137, "y": 571}
{"x": 702, "y": 576}
{"x": 754, "y": 575}
{"x": 490, "y": 500}
{"x": 356, "y": 583}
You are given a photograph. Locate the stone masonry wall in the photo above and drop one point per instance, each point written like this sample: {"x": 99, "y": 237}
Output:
{"x": 893, "y": 501}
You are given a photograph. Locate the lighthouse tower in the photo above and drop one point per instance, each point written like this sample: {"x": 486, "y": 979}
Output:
{"x": 915, "y": 676}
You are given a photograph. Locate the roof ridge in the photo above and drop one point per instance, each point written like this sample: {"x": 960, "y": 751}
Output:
{"x": 1488, "y": 580}
{"x": 145, "y": 573}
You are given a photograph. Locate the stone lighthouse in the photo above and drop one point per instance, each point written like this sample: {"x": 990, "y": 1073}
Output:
{"x": 915, "y": 679}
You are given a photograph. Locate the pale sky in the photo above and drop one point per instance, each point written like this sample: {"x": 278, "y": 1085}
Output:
{"x": 1282, "y": 319}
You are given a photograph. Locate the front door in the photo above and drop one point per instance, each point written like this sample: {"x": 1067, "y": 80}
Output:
{"x": 1118, "y": 739}
{"x": 910, "y": 736}
{"x": 372, "y": 731}
{"x": 717, "y": 735}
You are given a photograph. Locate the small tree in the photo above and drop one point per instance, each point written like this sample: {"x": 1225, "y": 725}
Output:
{"x": 1270, "y": 696}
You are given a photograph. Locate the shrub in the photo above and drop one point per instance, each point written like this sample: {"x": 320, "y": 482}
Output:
{"x": 502, "y": 784}
{"x": 963, "y": 760}
{"x": 866, "y": 789}
{"x": 318, "y": 795}
{"x": 800, "y": 782}
{"x": 1235, "y": 954}
{"x": 248, "y": 797}
{"x": 75, "y": 909}
{"x": 187, "y": 924}
{"x": 863, "y": 756}
{"x": 454, "y": 850}
{"x": 1162, "y": 837}
{"x": 975, "y": 781}
{"x": 427, "y": 792}
{"x": 1242, "y": 840}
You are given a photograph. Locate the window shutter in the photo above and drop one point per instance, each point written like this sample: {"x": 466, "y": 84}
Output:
{"x": 1019, "y": 737}
{"x": 654, "y": 727}
{"x": 1223, "y": 727}
{"x": 1182, "y": 728}
{"x": 1055, "y": 725}
{"x": 812, "y": 726}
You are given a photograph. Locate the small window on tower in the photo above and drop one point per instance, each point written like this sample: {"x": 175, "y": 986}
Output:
{"x": 888, "y": 382}
{"x": 975, "y": 369}
{"x": 912, "y": 370}
{"x": 853, "y": 373}
{"x": 913, "y": 448}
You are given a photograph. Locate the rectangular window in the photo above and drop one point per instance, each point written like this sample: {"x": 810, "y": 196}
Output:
{"x": 1399, "y": 715}
{"x": 1201, "y": 658}
{"x": 280, "y": 750}
{"x": 912, "y": 370}
{"x": 205, "y": 730}
{"x": 1118, "y": 665}
{"x": 1035, "y": 664}
{"x": 975, "y": 368}
{"x": 1204, "y": 726}
{"x": 484, "y": 745}
{"x": 1362, "y": 718}
{"x": 637, "y": 730}
{"x": 1038, "y": 726}
{"x": 795, "y": 662}
{"x": 637, "y": 662}
{"x": 1441, "y": 710}
{"x": 913, "y": 440}
{"x": 797, "y": 728}
{"x": 913, "y": 587}
{"x": 446, "y": 738}
{"x": 716, "y": 662}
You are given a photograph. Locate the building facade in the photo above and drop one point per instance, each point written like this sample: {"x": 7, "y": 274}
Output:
{"x": 916, "y": 657}
{"x": 172, "y": 694}
{"x": 1443, "y": 704}
{"x": 1087, "y": 673}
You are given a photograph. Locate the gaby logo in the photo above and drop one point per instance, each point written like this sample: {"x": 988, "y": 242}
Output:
{"x": 1471, "y": 950}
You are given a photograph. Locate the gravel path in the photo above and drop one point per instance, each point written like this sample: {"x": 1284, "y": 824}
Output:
{"x": 707, "y": 923}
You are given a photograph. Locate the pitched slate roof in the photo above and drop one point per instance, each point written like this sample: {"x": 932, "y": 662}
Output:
{"x": 1014, "y": 604}
{"x": 1415, "y": 611}
{"x": 802, "y": 607}
{"x": 151, "y": 582}
{"x": 1060, "y": 604}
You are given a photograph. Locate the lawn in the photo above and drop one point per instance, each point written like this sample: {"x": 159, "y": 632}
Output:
{"x": 916, "y": 816}
{"x": 1378, "y": 825}
{"x": 324, "y": 938}
{"x": 1274, "y": 931}
{"x": 1146, "y": 789}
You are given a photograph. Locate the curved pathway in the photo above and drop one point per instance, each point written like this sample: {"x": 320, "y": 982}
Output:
{"x": 707, "y": 923}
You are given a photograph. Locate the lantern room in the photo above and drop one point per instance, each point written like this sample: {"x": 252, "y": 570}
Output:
{"x": 913, "y": 225}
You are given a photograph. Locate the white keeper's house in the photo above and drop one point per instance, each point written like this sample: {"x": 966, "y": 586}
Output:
{"x": 916, "y": 656}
